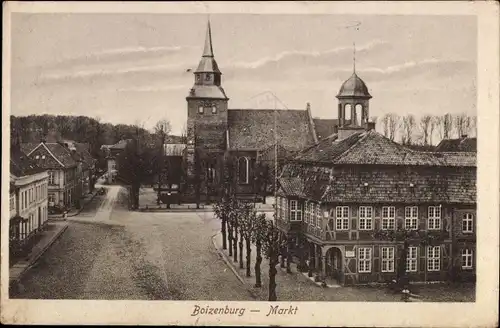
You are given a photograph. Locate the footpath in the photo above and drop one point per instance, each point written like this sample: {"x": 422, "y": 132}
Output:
{"x": 297, "y": 286}
{"x": 48, "y": 236}
{"x": 54, "y": 228}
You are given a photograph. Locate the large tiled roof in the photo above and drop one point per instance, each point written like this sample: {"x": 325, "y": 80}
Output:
{"x": 380, "y": 184}
{"x": 372, "y": 148}
{"x": 253, "y": 129}
{"x": 388, "y": 186}
{"x": 21, "y": 164}
{"x": 61, "y": 153}
{"x": 328, "y": 149}
{"x": 457, "y": 145}
{"x": 27, "y": 147}
{"x": 50, "y": 155}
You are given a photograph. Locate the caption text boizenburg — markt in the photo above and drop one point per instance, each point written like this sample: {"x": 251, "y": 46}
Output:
{"x": 227, "y": 310}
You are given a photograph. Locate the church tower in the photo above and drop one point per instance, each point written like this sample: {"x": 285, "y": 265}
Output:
{"x": 207, "y": 117}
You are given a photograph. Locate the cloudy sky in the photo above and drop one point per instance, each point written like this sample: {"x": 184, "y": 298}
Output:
{"x": 128, "y": 68}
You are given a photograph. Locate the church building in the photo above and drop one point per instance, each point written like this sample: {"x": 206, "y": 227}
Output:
{"x": 249, "y": 136}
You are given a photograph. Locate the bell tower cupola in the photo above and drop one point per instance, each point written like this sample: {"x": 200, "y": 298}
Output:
{"x": 353, "y": 99}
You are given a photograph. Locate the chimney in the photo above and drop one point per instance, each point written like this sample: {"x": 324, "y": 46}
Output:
{"x": 370, "y": 126}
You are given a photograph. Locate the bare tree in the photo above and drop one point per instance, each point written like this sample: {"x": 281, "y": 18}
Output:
{"x": 408, "y": 126}
{"x": 432, "y": 126}
{"x": 394, "y": 123}
{"x": 425, "y": 123}
{"x": 474, "y": 125}
{"x": 444, "y": 126}
{"x": 385, "y": 123}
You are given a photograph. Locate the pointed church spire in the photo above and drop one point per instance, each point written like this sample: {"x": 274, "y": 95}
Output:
{"x": 208, "y": 50}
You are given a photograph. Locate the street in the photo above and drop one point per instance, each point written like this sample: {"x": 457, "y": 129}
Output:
{"x": 109, "y": 253}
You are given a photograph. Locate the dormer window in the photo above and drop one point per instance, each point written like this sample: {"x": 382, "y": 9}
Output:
{"x": 37, "y": 156}
{"x": 200, "y": 110}
{"x": 214, "y": 109}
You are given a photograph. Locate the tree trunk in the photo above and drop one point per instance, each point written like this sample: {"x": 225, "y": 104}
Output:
{"x": 258, "y": 261}
{"x": 235, "y": 244}
{"x": 283, "y": 256}
{"x": 288, "y": 259}
{"x": 302, "y": 256}
{"x": 311, "y": 263}
{"x": 230, "y": 238}
{"x": 273, "y": 261}
{"x": 401, "y": 273}
{"x": 249, "y": 251}
{"x": 224, "y": 233}
{"x": 241, "y": 250}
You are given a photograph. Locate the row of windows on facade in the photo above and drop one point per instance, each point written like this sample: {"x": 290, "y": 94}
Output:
{"x": 388, "y": 259}
{"x": 313, "y": 216}
{"x": 202, "y": 109}
{"x": 69, "y": 175}
{"x": 22, "y": 231}
{"x": 34, "y": 194}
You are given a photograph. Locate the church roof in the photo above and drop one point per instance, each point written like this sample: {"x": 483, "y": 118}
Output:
{"x": 354, "y": 87}
{"x": 253, "y": 129}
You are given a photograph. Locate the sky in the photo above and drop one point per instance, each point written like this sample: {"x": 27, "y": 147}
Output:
{"x": 131, "y": 68}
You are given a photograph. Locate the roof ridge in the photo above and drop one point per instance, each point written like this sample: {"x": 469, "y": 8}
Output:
{"x": 344, "y": 153}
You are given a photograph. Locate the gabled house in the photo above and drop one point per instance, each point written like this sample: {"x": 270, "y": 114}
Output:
{"x": 63, "y": 172}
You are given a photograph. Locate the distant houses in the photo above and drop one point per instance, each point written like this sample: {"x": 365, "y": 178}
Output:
{"x": 70, "y": 169}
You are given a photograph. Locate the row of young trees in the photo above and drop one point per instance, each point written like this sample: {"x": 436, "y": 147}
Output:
{"x": 242, "y": 226}
{"x": 424, "y": 130}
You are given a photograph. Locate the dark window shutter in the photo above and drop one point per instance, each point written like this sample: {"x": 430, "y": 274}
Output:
{"x": 353, "y": 224}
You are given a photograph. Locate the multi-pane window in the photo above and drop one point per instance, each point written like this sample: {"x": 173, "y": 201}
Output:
{"x": 466, "y": 258}
{"x": 433, "y": 258}
{"x": 434, "y": 218}
{"x": 342, "y": 217}
{"x": 387, "y": 259}
{"x": 365, "y": 259}
{"x": 467, "y": 220}
{"x": 200, "y": 109}
{"x": 411, "y": 217}
{"x": 51, "y": 178}
{"x": 279, "y": 210}
{"x": 388, "y": 217}
{"x": 365, "y": 217}
{"x": 295, "y": 211}
{"x": 306, "y": 212}
{"x": 51, "y": 198}
{"x": 314, "y": 218}
{"x": 411, "y": 259}
{"x": 318, "y": 216}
